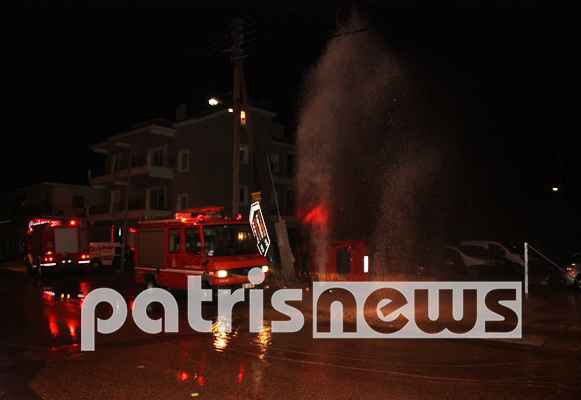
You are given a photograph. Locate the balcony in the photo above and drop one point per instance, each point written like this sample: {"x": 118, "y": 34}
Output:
{"x": 154, "y": 167}
{"x": 135, "y": 209}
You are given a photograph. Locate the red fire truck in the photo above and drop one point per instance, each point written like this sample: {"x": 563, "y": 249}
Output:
{"x": 347, "y": 260}
{"x": 57, "y": 245}
{"x": 200, "y": 242}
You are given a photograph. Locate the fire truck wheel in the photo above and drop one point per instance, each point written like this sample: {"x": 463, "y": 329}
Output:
{"x": 96, "y": 263}
{"x": 150, "y": 282}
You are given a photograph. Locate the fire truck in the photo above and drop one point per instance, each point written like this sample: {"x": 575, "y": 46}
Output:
{"x": 347, "y": 260}
{"x": 198, "y": 242}
{"x": 56, "y": 245}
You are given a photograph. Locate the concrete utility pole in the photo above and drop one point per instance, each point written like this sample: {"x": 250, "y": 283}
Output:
{"x": 251, "y": 147}
{"x": 240, "y": 90}
{"x": 237, "y": 57}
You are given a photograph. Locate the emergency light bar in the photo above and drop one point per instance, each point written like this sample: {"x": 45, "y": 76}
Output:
{"x": 201, "y": 213}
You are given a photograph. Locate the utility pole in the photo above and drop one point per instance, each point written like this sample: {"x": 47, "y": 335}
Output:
{"x": 251, "y": 147}
{"x": 237, "y": 57}
{"x": 240, "y": 91}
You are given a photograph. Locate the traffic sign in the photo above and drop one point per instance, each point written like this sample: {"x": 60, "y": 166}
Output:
{"x": 259, "y": 228}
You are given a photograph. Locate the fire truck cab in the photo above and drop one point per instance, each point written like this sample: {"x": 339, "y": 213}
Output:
{"x": 56, "y": 245}
{"x": 198, "y": 242}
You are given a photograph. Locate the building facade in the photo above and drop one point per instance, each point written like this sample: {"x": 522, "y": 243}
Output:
{"x": 161, "y": 167}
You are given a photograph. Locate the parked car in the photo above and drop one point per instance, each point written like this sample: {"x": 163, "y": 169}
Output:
{"x": 510, "y": 252}
{"x": 569, "y": 275}
{"x": 473, "y": 261}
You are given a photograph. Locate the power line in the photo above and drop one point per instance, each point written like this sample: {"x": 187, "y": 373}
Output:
{"x": 69, "y": 50}
{"x": 88, "y": 38}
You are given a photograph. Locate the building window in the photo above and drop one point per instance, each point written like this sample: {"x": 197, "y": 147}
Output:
{"x": 291, "y": 165}
{"x": 244, "y": 195}
{"x": 78, "y": 202}
{"x": 115, "y": 200}
{"x": 242, "y": 117}
{"x": 184, "y": 161}
{"x": 244, "y": 154}
{"x": 115, "y": 160}
{"x": 182, "y": 202}
{"x": 291, "y": 203}
{"x": 274, "y": 164}
{"x": 156, "y": 157}
{"x": 157, "y": 198}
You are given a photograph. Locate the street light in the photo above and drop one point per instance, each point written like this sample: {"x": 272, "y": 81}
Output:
{"x": 214, "y": 102}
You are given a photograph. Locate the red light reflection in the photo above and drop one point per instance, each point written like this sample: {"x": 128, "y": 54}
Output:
{"x": 241, "y": 374}
{"x": 318, "y": 216}
{"x": 72, "y": 325}
{"x": 54, "y": 329}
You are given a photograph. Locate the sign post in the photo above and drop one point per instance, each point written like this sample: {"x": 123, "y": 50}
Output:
{"x": 259, "y": 228}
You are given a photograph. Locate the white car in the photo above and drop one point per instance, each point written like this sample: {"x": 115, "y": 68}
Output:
{"x": 508, "y": 252}
{"x": 471, "y": 260}
{"x": 104, "y": 253}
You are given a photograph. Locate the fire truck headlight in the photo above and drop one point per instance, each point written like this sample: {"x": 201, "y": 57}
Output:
{"x": 265, "y": 268}
{"x": 221, "y": 274}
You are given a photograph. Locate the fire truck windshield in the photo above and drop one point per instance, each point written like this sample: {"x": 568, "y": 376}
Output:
{"x": 227, "y": 240}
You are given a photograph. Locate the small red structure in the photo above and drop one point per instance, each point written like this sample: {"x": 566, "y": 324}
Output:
{"x": 347, "y": 260}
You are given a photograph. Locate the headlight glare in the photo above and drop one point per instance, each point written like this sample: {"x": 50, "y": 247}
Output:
{"x": 221, "y": 273}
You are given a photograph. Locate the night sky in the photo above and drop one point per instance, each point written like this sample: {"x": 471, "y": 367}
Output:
{"x": 496, "y": 81}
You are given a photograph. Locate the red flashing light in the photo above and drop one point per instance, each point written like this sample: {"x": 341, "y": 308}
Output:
{"x": 238, "y": 217}
{"x": 73, "y": 222}
{"x": 201, "y": 217}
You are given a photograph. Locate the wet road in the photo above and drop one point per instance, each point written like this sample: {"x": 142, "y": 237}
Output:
{"x": 40, "y": 356}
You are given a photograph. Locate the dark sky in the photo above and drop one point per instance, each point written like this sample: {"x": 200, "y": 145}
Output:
{"x": 496, "y": 78}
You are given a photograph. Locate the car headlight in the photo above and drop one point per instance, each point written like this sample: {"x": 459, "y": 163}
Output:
{"x": 265, "y": 268}
{"x": 221, "y": 273}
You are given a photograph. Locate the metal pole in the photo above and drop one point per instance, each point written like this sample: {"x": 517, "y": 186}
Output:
{"x": 526, "y": 268}
{"x": 124, "y": 230}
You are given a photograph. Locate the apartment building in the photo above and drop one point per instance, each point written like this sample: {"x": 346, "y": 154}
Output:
{"x": 160, "y": 167}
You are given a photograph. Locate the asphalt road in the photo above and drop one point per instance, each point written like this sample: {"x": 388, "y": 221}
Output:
{"x": 40, "y": 356}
